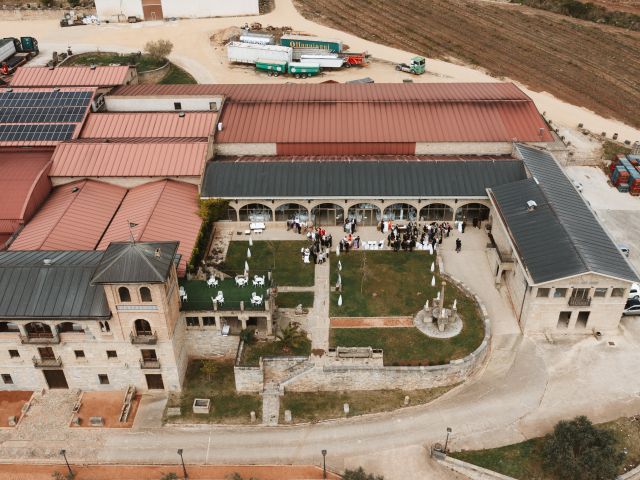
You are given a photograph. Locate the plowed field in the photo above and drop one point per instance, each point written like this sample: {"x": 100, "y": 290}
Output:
{"x": 585, "y": 64}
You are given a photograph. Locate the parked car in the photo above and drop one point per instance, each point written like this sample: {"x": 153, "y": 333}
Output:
{"x": 624, "y": 249}
{"x": 634, "y": 291}
{"x": 578, "y": 185}
{"x": 632, "y": 308}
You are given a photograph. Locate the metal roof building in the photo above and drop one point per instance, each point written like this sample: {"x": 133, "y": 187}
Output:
{"x": 77, "y": 76}
{"x": 149, "y": 125}
{"x": 50, "y": 284}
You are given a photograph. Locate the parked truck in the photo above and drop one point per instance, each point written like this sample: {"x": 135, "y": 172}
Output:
{"x": 302, "y": 41}
{"x": 15, "y": 52}
{"x": 325, "y": 61}
{"x": 297, "y": 69}
{"x": 416, "y": 67}
{"x": 274, "y": 68}
{"x": 239, "y": 52}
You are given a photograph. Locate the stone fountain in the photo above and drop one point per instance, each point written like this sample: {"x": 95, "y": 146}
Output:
{"x": 436, "y": 320}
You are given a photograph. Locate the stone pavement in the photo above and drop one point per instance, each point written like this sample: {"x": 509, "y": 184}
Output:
{"x": 318, "y": 320}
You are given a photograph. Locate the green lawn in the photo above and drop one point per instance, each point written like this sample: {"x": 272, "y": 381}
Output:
{"x": 199, "y": 295}
{"x": 177, "y": 75}
{"x": 293, "y": 299}
{"x": 143, "y": 64}
{"x": 385, "y": 283}
{"x": 227, "y": 406}
{"x": 409, "y": 346}
{"x": 281, "y": 257}
{"x": 270, "y": 348}
{"x": 316, "y": 406}
{"x": 524, "y": 460}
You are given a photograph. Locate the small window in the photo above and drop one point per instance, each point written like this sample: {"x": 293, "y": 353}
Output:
{"x": 177, "y": 105}
{"x": 213, "y": 106}
{"x": 112, "y": 354}
{"x": 6, "y": 378}
{"x": 107, "y": 328}
{"x": 9, "y": 327}
{"x": 563, "y": 319}
{"x": 103, "y": 379}
{"x": 617, "y": 292}
{"x": 600, "y": 292}
{"x": 543, "y": 292}
{"x": 14, "y": 354}
{"x": 79, "y": 353}
{"x": 560, "y": 293}
{"x": 145, "y": 294}
{"x": 125, "y": 295}
{"x": 583, "y": 319}
{"x": 193, "y": 322}
{"x": 209, "y": 321}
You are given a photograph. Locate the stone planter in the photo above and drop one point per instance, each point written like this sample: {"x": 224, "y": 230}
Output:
{"x": 202, "y": 406}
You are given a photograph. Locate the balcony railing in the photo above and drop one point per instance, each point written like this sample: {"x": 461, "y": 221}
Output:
{"x": 580, "y": 301}
{"x": 149, "y": 364}
{"x": 47, "y": 362}
{"x": 40, "y": 338}
{"x": 143, "y": 338}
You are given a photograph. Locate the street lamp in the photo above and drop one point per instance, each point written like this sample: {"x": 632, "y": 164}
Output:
{"x": 447, "y": 440}
{"x": 63, "y": 452}
{"x": 324, "y": 464}
{"x": 184, "y": 469}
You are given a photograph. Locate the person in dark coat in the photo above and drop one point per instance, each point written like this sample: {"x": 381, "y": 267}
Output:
{"x": 458, "y": 245}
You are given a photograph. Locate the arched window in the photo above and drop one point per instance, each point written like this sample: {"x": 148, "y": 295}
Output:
{"x": 38, "y": 330}
{"x": 145, "y": 294}
{"x": 107, "y": 328}
{"x": 327, "y": 214}
{"x": 365, "y": 214}
{"x": 292, "y": 211}
{"x": 400, "y": 212}
{"x": 142, "y": 327}
{"x": 436, "y": 212}
{"x": 231, "y": 214}
{"x": 124, "y": 294}
{"x": 255, "y": 212}
{"x": 66, "y": 327}
{"x": 472, "y": 213}
{"x": 9, "y": 327}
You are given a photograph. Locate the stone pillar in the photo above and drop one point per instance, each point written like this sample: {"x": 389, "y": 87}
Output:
{"x": 218, "y": 320}
{"x": 244, "y": 323}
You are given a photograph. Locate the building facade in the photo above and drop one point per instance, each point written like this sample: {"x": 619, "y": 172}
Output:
{"x": 119, "y": 11}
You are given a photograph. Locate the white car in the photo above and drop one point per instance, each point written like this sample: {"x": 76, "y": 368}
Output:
{"x": 634, "y": 291}
{"x": 632, "y": 308}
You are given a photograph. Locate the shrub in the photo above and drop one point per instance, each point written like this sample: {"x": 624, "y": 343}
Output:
{"x": 159, "y": 48}
{"x": 360, "y": 474}
{"x": 211, "y": 210}
{"x": 248, "y": 335}
{"x": 577, "y": 450}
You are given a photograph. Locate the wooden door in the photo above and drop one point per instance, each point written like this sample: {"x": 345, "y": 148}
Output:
{"x": 46, "y": 353}
{"x": 55, "y": 378}
{"x": 154, "y": 381}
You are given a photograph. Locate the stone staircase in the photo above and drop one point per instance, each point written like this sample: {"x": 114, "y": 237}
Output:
{"x": 277, "y": 374}
{"x": 271, "y": 404}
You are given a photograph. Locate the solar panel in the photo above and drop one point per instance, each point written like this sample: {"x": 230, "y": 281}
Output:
{"x": 41, "y": 116}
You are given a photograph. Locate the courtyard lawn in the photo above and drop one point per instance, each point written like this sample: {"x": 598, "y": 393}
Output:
{"x": 143, "y": 64}
{"x": 409, "y": 346}
{"x": 524, "y": 460}
{"x": 293, "y": 299}
{"x": 199, "y": 295}
{"x": 384, "y": 283}
{"x": 281, "y": 257}
{"x": 176, "y": 76}
{"x": 227, "y": 406}
{"x": 317, "y": 406}
{"x": 271, "y": 348}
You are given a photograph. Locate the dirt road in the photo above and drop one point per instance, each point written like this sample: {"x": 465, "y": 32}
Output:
{"x": 194, "y": 52}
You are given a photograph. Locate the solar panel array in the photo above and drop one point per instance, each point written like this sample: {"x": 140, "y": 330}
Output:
{"x": 47, "y": 116}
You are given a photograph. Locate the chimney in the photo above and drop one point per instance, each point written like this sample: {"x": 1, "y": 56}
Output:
{"x": 157, "y": 253}
{"x": 47, "y": 261}
{"x": 531, "y": 206}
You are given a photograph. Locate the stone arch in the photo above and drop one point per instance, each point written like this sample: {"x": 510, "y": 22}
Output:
{"x": 145, "y": 294}
{"x": 291, "y": 211}
{"x": 473, "y": 213}
{"x": 69, "y": 327}
{"x": 327, "y": 214}
{"x": 365, "y": 213}
{"x": 142, "y": 327}
{"x": 124, "y": 294}
{"x": 255, "y": 212}
{"x": 38, "y": 329}
{"x": 403, "y": 212}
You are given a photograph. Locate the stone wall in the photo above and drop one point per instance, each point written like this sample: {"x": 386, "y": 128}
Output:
{"x": 39, "y": 14}
{"x": 248, "y": 379}
{"x": 473, "y": 472}
{"x": 154, "y": 76}
{"x": 208, "y": 342}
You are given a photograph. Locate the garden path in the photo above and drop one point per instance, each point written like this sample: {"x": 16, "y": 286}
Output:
{"x": 318, "y": 321}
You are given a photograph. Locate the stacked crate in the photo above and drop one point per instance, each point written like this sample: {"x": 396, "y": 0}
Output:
{"x": 624, "y": 173}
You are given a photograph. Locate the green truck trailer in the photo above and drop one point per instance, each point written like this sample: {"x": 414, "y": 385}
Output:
{"x": 297, "y": 69}
{"x": 274, "y": 68}
{"x": 301, "y": 41}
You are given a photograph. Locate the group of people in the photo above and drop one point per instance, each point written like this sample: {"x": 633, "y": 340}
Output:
{"x": 409, "y": 237}
{"x": 321, "y": 243}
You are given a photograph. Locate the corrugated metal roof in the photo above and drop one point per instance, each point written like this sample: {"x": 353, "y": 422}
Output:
{"x": 594, "y": 249}
{"x": 21, "y": 173}
{"x": 70, "y": 76}
{"x": 73, "y": 218}
{"x": 149, "y": 125}
{"x": 371, "y": 179}
{"x": 164, "y": 210}
{"x": 425, "y": 112}
{"x": 31, "y": 289}
{"x": 126, "y": 262}
{"x": 129, "y": 159}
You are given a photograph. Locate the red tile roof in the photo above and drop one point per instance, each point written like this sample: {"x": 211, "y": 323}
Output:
{"x": 149, "y": 125}
{"x": 163, "y": 211}
{"x": 24, "y": 185}
{"x": 73, "y": 218}
{"x": 129, "y": 159}
{"x": 419, "y": 112}
{"x": 70, "y": 76}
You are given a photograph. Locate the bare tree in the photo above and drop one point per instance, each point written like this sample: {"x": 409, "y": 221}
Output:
{"x": 159, "y": 48}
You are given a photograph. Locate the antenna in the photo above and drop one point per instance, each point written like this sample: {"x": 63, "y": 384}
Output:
{"x": 131, "y": 226}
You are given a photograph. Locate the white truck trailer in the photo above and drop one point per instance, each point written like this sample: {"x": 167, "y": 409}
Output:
{"x": 239, "y": 52}
{"x": 7, "y": 48}
{"x": 325, "y": 61}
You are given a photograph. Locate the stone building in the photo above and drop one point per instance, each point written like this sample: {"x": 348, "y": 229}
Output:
{"x": 562, "y": 270}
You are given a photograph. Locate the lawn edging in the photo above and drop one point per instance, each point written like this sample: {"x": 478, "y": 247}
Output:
{"x": 470, "y": 470}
